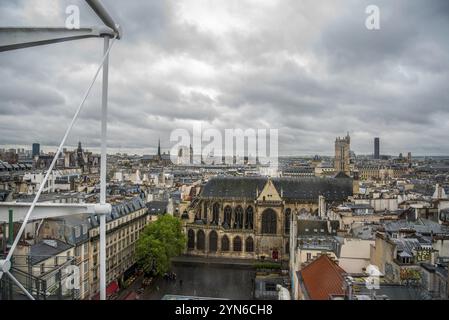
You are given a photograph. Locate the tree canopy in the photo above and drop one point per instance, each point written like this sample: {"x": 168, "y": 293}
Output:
{"x": 158, "y": 243}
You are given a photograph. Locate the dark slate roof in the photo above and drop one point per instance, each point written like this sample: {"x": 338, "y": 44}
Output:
{"x": 407, "y": 245}
{"x": 317, "y": 227}
{"x": 341, "y": 175}
{"x": 119, "y": 210}
{"x": 233, "y": 187}
{"x": 299, "y": 170}
{"x": 422, "y": 226}
{"x": 125, "y": 207}
{"x": 300, "y": 188}
{"x": 309, "y": 188}
{"x": 393, "y": 292}
{"x": 42, "y": 251}
{"x": 157, "y": 207}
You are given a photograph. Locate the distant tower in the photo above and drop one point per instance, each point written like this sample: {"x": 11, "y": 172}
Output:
{"x": 191, "y": 154}
{"x": 36, "y": 149}
{"x": 80, "y": 156}
{"x": 376, "y": 148}
{"x": 159, "y": 149}
{"x": 342, "y": 157}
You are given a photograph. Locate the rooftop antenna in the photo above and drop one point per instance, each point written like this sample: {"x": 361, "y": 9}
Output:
{"x": 12, "y": 38}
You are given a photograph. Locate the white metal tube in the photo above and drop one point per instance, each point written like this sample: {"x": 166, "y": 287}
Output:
{"x": 102, "y": 257}
{"x": 104, "y": 15}
{"x": 103, "y": 167}
{"x": 104, "y": 115}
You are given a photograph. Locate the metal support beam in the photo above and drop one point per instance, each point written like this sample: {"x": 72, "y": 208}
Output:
{"x": 49, "y": 210}
{"x": 103, "y": 169}
{"x": 12, "y": 38}
{"x": 104, "y": 15}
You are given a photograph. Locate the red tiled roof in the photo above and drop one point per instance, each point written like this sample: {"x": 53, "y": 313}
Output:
{"x": 322, "y": 277}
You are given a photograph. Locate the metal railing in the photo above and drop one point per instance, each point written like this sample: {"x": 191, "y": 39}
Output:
{"x": 46, "y": 279}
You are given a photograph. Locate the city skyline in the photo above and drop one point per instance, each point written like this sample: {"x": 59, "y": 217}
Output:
{"x": 176, "y": 66}
{"x": 153, "y": 150}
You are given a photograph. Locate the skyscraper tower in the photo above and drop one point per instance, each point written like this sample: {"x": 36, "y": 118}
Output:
{"x": 342, "y": 157}
{"x": 376, "y": 148}
{"x": 159, "y": 148}
{"x": 36, "y": 149}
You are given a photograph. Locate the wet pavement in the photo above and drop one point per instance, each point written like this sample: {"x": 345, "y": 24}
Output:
{"x": 201, "y": 280}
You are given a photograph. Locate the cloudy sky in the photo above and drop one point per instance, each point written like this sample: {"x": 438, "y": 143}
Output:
{"x": 310, "y": 69}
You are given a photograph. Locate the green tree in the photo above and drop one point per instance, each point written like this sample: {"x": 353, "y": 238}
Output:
{"x": 158, "y": 243}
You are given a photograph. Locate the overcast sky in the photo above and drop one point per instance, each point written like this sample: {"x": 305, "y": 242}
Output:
{"x": 308, "y": 68}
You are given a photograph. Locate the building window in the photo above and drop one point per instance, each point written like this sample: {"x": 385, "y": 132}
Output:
{"x": 249, "y": 244}
{"x": 238, "y": 217}
{"x": 227, "y": 217}
{"x": 213, "y": 241}
{"x": 237, "y": 244}
{"x": 191, "y": 239}
{"x": 200, "y": 240}
{"x": 249, "y": 217}
{"x": 225, "y": 243}
{"x": 269, "y": 221}
{"x": 215, "y": 213}
{"x": 309, "y": 256}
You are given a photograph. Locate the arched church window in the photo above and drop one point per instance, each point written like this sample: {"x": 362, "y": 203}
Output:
{"x": 249, "y": 213}
{"x": 249, "y": 245}
{"x": 200, "y": 240}
{"x": 237, "y": 244}
{"x": 269, "y": 222}
{"x": 225, "y": 243}
{"x": 215, "y": 213}
{"x": 227, "y": 217}
{"x": 238, "y": 217}
{"x": 191, "y": 239}
{"x": 213, "y": 239}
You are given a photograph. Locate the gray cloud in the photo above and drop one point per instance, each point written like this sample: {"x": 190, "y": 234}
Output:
{"x": 311, "y": 70}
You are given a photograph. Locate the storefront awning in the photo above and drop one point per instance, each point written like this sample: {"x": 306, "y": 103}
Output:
{"x": 110, "y": 290}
